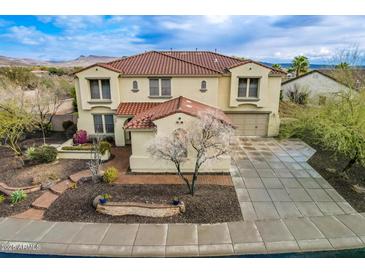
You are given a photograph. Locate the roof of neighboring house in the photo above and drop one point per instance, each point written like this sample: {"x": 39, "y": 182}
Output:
{"x": 178, "y": 63}
{"x": 357, "y": 75}
{"x": 134, "y": 108}
{"x": 144, "y": 120}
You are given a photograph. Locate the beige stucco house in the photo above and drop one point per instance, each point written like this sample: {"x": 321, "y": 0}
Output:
{"x": 111, "y": 96}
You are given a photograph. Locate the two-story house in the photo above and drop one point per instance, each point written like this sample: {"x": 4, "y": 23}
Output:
{"x": 167, "y": 87}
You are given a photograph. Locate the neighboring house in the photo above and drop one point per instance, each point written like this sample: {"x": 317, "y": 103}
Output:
{"x": 65, "y": 112}
{"x": 317, "y": 83}
{"x": 112, "y": 97}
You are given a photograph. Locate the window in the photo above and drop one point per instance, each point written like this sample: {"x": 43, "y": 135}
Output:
{"x": 165, "y": 87}
{"x": 109, "y": 123}
{"x": 94, "y": 87}
{"x": 154, "y": 87}
{"x": 103, "y": 123}
{"x": 105, "y": 89}
{"x": 134, "y": 86}
{"x": 203, "y": 86}
{"x": 98, "y": 123}
{"x": 100, "y": 89}
{"x": 248, "y": 87}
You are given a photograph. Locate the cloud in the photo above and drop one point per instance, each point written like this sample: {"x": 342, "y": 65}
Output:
{"x": 269, "y": 38}
{"x": 27, "y": 35}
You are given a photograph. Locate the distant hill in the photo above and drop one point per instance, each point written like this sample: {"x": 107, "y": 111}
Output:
{"x": 82, "y": 61}
{"x": 312, "y": 66}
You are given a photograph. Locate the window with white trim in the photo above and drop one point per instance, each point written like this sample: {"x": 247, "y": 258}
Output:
{"x": 203, "y": 85}
{"x": 160, "y": 87}
{"x": 248, "y": 88}
{"x": 103, "y": 123}
{"x": 100, "y": 89}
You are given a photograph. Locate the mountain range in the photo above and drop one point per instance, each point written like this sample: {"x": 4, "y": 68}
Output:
{"x": 82, "y": 61}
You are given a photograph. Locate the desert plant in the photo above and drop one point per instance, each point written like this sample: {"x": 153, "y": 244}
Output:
{"x": 110, "y": 175}
{"x": 18, "y": 196}
{"x": 104, "y": 146}
{"x": 300, "y": 65}
{"x": 67, "y": 124}
{"x": 338, "y": 126}
{"x": 80, "y": 137}
{"x": 298, "y": 95}
{"x": 42, "y": 154}
{"x": 2, "y": 198}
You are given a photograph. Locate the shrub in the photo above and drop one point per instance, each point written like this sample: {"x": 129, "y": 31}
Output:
{"x": 104, "y": 146}
{"x": 67, "y": 124}
{"x": 18, "y": 196}
{"x": 43, "y": 154}
{"x": 298, "y": 95}
{"x": 110, "y": 175}
{"x": 2, "y": 198}
{"x": 71, "y": 131}
{"x": 80, "y": 137}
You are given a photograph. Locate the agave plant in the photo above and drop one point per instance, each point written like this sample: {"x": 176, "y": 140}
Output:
{"x": 18, "y": 196}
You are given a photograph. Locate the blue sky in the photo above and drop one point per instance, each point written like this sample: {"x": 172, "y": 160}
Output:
{"x": 264, "y": 38}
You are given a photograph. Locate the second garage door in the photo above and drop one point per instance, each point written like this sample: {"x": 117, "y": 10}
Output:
{"x": 249, "y": 124}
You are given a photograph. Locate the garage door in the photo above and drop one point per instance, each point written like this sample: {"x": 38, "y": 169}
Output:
{"x": 248, "y": 124}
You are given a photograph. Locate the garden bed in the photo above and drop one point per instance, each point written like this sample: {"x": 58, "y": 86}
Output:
{"x": 211, "y": 203}
{"x": 8, "y": 209}
{"x": 330, "y": 166}
{"x": 68, "y": 151}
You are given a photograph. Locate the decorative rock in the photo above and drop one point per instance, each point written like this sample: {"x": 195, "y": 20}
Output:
{"x": 4, "y": 188}
{"x": 139, "y": 209}
{"x": 358, "y": 188}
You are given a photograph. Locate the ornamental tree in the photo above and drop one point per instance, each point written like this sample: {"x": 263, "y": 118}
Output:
{"x": 208, "y": 139}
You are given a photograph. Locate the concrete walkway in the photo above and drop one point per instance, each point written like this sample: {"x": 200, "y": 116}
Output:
{"x": 273, "y": 181}
{"x": 178, "y": 240}
{"x": 287, "y": 207}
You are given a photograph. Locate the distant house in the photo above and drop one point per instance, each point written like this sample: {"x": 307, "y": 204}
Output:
{"x": 323, "y": 82}
{"x": 317, "y": 83}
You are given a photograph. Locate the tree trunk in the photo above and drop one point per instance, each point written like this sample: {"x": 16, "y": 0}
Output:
{"x": 350, "y": 164}
{"x": 183, "y": 177}
{"x": 195, "y": 177}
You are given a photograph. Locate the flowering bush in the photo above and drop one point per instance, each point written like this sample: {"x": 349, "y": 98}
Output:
{"x": 80, "y": 137}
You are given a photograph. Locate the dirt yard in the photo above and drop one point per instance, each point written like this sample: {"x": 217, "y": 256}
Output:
{"x": 329, "y": 166}
{"x": 210, "y": 204}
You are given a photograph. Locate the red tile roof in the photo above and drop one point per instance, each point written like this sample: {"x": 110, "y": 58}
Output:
{"x": 178, "y": 63}
{"x": 178, "y": 105}
{"x": 134, "y": 108}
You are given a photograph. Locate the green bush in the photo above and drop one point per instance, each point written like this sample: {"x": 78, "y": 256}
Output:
{"x": 18, "y": 196}
{"x": 42, "y": 154}
{"x": 110, "y": 175}
{"x": 84, "y": 147}
{"x": 67, "y": 124}
{"x": 2, "y": 198}
{"x": 104, "y": 146}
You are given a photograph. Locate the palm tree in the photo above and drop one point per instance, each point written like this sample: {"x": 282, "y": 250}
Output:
{"x": 299, "y": 65}
{"x": 277, "y": 66}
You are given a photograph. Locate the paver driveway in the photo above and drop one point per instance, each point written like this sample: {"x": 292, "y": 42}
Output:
{"x": 273, "y": 180}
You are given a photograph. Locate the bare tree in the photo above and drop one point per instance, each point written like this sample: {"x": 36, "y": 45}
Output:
{"x": 95, "y": 161}
{"x": 209, "y": 139}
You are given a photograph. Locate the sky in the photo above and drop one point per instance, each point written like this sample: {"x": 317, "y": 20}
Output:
{"x": 275, "y": 39}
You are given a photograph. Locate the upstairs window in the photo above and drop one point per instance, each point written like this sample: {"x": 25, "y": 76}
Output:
{"x": 203, "y": 86}
{"x": 100, "y": 89}
{"x": 164, "y": 91}
{"x": 248, "y": 88}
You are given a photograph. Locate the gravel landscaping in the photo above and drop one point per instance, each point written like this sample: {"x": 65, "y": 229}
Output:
{"x": 211, "y": 203}
{"x": 325, "y": 163}
{"x": 9, "y": 209}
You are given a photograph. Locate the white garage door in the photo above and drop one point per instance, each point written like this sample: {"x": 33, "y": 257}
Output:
{"x": 249, "y": 124}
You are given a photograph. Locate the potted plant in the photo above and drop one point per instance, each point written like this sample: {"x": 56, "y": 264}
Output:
{"x": 176, "y": 200}
{"x": 104, "y": 198}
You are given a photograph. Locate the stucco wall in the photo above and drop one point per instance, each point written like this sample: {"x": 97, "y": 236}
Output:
{"x": 142, "y": 161}
{"x": 180, "y": 86}
{"x": 315, "y": 83}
